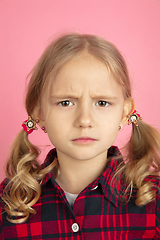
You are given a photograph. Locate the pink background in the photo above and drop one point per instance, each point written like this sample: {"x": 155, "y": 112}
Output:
{"x": 26, "y": 28}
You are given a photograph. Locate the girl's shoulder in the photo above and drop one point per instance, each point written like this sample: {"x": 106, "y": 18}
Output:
{"x": 3, "y": 184}
{"x": 156, "y": 184}
{"x": 155, "y": 180}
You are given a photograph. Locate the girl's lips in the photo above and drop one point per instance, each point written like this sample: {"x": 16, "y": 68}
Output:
{"x": 84, "y": 140}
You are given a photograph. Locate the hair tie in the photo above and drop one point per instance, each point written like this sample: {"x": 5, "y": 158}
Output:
{"x": 30, "y": 125}
{"x": 134, "y": 117}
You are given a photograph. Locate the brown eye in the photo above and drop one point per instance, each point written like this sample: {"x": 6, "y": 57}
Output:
{"x": 102, "y": 103}
{"x": 65, "y": 103}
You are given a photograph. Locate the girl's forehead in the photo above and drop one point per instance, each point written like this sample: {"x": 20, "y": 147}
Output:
{"x": 84, "y": 72}
{"x": 80, "y": 58}
{"x": 82, "y": 65}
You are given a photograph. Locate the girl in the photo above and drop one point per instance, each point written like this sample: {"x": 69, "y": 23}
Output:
{"x": 79, "y": 94}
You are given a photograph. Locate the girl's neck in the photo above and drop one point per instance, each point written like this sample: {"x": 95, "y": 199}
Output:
{"x": 75, "y": 175}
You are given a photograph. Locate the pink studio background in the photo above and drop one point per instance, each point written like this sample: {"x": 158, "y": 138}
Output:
{"x": 26, "y": 28}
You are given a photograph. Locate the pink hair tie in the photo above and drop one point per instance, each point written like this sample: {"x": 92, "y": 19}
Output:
{"x": 134, "y": 117}
{"x": 29, "y": 125}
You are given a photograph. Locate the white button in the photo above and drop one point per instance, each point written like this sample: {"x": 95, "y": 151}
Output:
{"x": 75, "y": 227}
{"x": 94, "y": 188}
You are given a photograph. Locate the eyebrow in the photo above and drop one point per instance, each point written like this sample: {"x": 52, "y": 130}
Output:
{"x": 104, "y": 96}
{"x": 63, "y": 96}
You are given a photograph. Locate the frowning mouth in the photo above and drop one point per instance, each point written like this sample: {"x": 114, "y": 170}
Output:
{"x": 84, "y": 140}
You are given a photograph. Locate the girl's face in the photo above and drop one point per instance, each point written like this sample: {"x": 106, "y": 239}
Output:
{"x": 84, "y": 110}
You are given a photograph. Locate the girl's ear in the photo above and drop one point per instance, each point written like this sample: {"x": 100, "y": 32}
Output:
{"x": 38, "y": 115}
{"x": 128, "y": 108}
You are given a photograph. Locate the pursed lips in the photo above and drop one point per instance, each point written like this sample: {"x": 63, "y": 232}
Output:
{"x": 84, "y": 140}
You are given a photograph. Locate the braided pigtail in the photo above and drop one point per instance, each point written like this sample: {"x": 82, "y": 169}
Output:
{"x": 24, "y": 176}
{"x": 142, "y": 160}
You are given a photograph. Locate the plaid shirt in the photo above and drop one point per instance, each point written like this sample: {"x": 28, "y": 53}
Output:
{"x": 98, "y": 213}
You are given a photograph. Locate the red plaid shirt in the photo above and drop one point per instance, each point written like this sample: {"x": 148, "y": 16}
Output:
{"x": 98, "y": 213}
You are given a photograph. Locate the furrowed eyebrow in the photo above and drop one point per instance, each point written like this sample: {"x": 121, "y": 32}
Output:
{"x": 63, "y": 96}
{"x": 104, "y": 97}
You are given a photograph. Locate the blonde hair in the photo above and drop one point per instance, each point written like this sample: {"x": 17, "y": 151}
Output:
{"x": 23, "y": 170}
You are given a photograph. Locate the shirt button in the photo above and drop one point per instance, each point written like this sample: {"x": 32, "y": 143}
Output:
{"x": 75, "y": 227}
{"x": 94, "y": 188}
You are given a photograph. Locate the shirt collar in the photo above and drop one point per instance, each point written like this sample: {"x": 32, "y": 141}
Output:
{"x": 105, "y": 180}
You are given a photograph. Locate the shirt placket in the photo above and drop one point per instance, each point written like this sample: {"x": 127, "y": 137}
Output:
{"x": 69, "y": 225}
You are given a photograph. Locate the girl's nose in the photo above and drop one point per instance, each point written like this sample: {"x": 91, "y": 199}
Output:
{"x": 84, "y": 118}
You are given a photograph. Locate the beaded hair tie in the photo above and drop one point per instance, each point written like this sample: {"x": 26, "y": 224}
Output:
{"x": 30, "y": 125}
{"x": 134, "y": 117}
